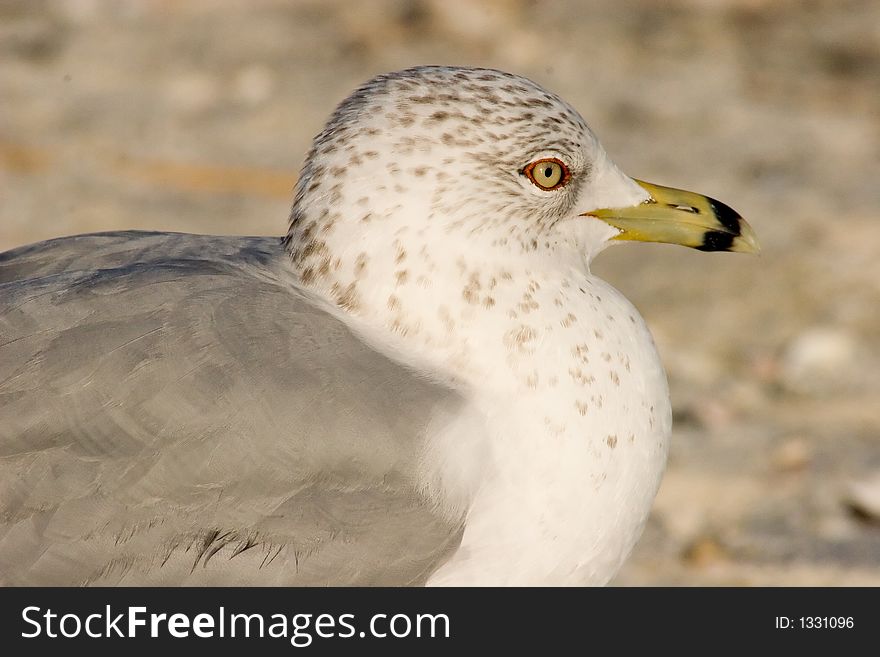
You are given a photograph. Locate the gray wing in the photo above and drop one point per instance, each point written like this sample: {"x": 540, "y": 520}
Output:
{"x": 172, "y": 413}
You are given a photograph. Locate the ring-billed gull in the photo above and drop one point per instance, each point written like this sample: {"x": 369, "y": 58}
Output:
{"x": 421, "y": 383}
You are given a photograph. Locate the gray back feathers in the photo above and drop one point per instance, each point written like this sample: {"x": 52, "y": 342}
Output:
{"x": 171, "y": 412}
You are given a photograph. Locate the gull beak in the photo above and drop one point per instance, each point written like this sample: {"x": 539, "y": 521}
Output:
{"x": 675, "y": 216}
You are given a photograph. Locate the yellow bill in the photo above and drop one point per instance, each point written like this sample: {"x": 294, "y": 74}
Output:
{"x": 675, "y": 216}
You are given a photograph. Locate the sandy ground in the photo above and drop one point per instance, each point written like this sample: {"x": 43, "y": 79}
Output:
{"x": 195, "y": 116}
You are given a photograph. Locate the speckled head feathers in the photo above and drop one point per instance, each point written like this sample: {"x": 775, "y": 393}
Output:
{"x": 443, "y": 148}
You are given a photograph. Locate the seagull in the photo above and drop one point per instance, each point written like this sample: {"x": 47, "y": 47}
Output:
{"x": 421, "y": 383}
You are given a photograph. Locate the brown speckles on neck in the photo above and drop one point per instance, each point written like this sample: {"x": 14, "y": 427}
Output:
{"x": 397, "y": 326}
{"x": 311, "y": 248}
{"x": 527, "y": 304}
{"x": 329, "y": 224}
{"x": 521, "y": 339}
{"x": 580, "y": 352}
{"x": 390, "y": 212}
{"x": 360, "y": 264}
{"x": 471, "y": 291}
{"x": 580, "y": 377}
{"x": 346, "y": 297}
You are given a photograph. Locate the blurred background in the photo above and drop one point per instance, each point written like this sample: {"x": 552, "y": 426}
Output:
{"x": 194, "y": 116}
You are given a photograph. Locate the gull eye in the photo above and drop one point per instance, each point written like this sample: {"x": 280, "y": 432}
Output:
{"x": 548, "y": 174}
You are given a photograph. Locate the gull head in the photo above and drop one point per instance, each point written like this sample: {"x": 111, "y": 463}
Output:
{"x": 449, "y": 160}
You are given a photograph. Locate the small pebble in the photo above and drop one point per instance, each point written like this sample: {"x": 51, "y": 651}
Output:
{"x": 703, "y": 552}
{"x": 792, "y": 456}
{"x": 820, "y": 360}
{"x": 863, "y": 497}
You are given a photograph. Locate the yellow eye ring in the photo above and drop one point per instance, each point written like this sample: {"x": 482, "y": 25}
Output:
{"x": 548, "y": 174}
